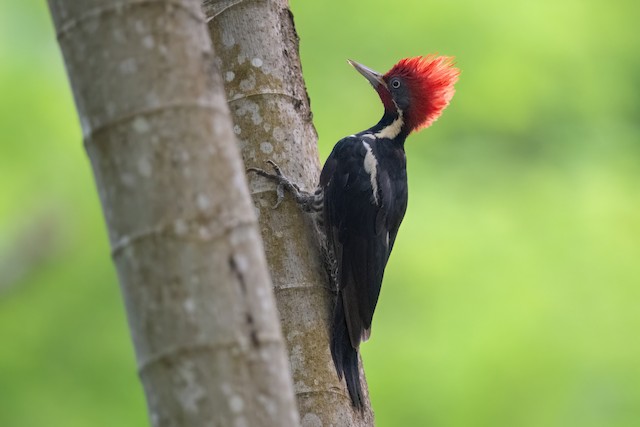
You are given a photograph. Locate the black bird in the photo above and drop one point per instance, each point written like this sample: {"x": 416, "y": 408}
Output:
{"x": 362, "y": 198}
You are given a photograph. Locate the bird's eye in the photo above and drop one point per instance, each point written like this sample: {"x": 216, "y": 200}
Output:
{"x": 395, "y": 84}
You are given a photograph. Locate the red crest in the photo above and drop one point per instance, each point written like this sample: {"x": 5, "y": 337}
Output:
{"x": 431, "y": 82}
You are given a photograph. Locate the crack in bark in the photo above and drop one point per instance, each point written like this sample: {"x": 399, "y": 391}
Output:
{"x": 236, "y": 270}
{"x": 71, "y": 24}
{"x": 337, "y": 392}
{"x": 168, "y": 354}
{"x": 89, "y": 136}
{"x": 169, "y": 230}
{"x": 297, "y": 286}
{"x": 215, "y": 10}
{"x": 296, "y": 100}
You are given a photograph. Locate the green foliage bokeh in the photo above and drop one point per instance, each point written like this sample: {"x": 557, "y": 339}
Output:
{"x": 511, "y": 298}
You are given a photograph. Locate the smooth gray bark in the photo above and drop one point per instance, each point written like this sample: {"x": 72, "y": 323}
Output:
{"x": 181, "y": 224}
{"x": 257, "y": 49}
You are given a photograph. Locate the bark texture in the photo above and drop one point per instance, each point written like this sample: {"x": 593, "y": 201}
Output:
{"x": 257, "y": 49}
{"x": 181, "y": 224}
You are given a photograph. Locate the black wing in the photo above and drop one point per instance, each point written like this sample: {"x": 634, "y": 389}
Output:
{"x": 362, "y": 217}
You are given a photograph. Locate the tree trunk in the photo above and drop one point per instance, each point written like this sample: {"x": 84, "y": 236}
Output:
{"x": 181, "y": 225}
{"x": 257, "y": 47}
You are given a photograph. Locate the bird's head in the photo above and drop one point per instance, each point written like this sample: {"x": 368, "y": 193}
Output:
{"x": 417, "y": 88}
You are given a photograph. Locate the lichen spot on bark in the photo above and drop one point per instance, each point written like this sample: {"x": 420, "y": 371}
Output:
{"x": 148, "y": 42}
{"x": 203, "y": 202}
{"x": 189, "y": 305}
{"x": 128, "y": 66}
{"x": 180, "y": 227}
{"x": 191, "y": 391}
{"x": 227, "y": 39}
{"x": 278, "y": 134}
{"x": 144, "y": 167}
{"x": 311, "y": 420}
{"x": 266, "y": 147}
{"x": 248, "y": 84}
{"x": 236, "y": 404}
{"x": 141, "y": 125}
{"x": 250, "y": 107}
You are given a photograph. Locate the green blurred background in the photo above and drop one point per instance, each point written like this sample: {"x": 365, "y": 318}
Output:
{"x": 512, "y": 297}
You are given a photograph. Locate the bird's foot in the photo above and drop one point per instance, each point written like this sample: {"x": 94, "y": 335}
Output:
{"x": 282, "y": 181}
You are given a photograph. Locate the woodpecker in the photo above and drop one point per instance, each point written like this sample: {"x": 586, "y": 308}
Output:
{"x": 361, "y": 198}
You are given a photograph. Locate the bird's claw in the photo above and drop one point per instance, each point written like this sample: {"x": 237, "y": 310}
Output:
{"x": 278, "y": 177}
{"x": 280, "y": 195}
{"x": 275, "y": 167}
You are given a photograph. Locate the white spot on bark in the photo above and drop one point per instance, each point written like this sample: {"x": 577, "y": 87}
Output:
{"x": 144, "y": 167}
{"x": 152, "y": 99}
{"x": 139, "y": 26}
{"x": 141, "y": 125}
{"x": 128, "y": 66}
{"x": 85, "y": 124}
{"x": 256, "y": 62}
{"x": 191, "y": 392}
{"x": 296, "y": 357}
{"x": 241, "y": 261}
{"x": 226, "y": 389}
{"x": 227, "y": 39}
{"x": 204, "y": 233}
{"x": 229, "y": 76}
{"x": 268, "y": 404}
{"x": 278, "y": 134}
{"x": 124, "y": 241}
{"x": 250, "y": 107}
{"x": 248, "y": 84}
{"x": 237, "y": 130}
{"x": 180, "y": 227}
{"x": 265, "y": 354}
{"x": 371, "y": 167}
{"x": 236, "y": 403}
{"x": 148, "y": 42}
{"x": 266, "y": 147}
{"x": 189, "y": 305}
{"x": 118, "y": 35}
{"x": 297, "y": 135}
{"x": 311, "y": 420}
{"x": 128, "y": 180}
{"x": 203, "y": 202}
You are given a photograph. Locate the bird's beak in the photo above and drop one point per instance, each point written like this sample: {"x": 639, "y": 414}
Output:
{"x": 374, "y": 77}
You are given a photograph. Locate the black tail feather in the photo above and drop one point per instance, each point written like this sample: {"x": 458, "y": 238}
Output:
{"x": 345, "y": 357}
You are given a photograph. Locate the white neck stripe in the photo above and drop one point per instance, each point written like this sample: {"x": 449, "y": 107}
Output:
{"x": 392, "y": 130}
